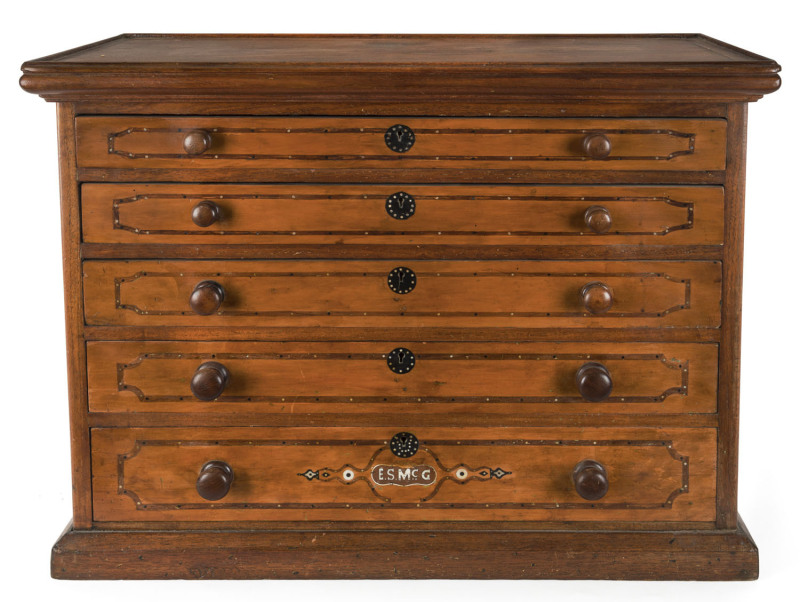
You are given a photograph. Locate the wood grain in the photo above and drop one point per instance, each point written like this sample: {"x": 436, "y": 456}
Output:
{"x": 407, "y": 526}
{"x": 386, "y": 174}
{"x": 655, "y": 474}
{"x": 462, "y": 378}
{"x": 445, "y": 214}
{"x": 356, "y": 293}
{"x": 386, "y": 251}
{"x": 456, "y": 107}
{"x": 247, "y": 333}
{"x": 434, "y": 69}
{"x": 539, "y": 419}
{"x": 730, "y": 352}
{"x": 73, "y": 311}
{"x": 559, "y": 52}
{"x": 285, "y": 136}
{"x": 425, "y": 553}
{"x": 341, "y": 142}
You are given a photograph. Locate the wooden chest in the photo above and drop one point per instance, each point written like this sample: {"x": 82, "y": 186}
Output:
{"x": 403, "y": 306}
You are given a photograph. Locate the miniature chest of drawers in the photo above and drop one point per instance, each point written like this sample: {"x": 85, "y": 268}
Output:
{"x": 403, "y": 306}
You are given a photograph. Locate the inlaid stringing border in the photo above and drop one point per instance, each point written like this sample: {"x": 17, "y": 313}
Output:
{"x": 113, "y": 149}
{"x": 667, "y": 445}
{"x": 685, "y": 304}
{"x": 679, "y": 365}
{"x": 118, "y": 224}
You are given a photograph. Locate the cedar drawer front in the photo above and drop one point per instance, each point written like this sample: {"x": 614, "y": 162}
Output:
{"x": 324, "y": 473}
{"x": 402, "y": 214}
{"x": 287, "y": 378}
{"x": 136, "y": 142}
{"x": 403, "y": 293}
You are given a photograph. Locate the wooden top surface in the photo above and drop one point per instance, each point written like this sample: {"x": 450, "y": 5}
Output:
{"x": 403, "y": 67}
{"x": 494, "y": 50}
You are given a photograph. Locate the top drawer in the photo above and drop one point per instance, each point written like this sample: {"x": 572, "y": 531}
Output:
{"x": 400, "y": 143}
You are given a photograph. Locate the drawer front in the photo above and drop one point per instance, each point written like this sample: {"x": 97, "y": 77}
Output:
{"x": 401, "y": 214}
{"x": 375, "y": 143}
{"x": 404, "y": 294}
{"x": 151, "y": 474}
{"x": 287, "y": 378}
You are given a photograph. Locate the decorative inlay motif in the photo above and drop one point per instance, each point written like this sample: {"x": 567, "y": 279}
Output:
{"x": 400, "y": 206}
{"x": 126, "y": 377}
{"x": 458, "y": 474}
{"x": 378, "y": 474}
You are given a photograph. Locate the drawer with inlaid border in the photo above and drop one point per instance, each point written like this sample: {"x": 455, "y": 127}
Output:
{"x": 137, "y": 142}
{"x": 403, "y": 294}
{"x": 401, "y": 214}
{"x": 327, "y": 473}
{"x": 350, "y": 377}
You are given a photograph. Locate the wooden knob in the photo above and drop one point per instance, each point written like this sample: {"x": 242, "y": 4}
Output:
{"x": 594, "y": 381}
{"x": 205, "y": 213}
{"x": 206, "y": 297}
{"x": 196, "y": 142}
{"x": 215, "y": 480}
{"x": 597, "y": 297}
{"x": 596, "y": 146}
{"x": 209, "y": 381}
{"x": 590, "y": 479}
{"x": 597, "y": 219}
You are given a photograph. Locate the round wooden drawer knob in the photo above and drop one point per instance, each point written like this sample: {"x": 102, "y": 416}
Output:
{"x": 597, "y": 218}
{"x": 590, "y": 479}
{"x": 596, "y": 146}
{"x": 196, "y": 142}
{"x": 215, "y": 480}
{"x": 206, "y": 297}
{"x": 597, "y": 297}
{"x": 209, "y": 381}
{"x": 594, "y": 381}
{"x": 205, "y": 213}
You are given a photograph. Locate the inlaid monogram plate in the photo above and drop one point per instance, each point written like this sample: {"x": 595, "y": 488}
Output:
{"x": 386, "y": 469}
{"x": 403, "y": 476}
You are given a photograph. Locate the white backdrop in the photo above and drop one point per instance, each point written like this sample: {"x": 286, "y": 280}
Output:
{"x": 35, "y": 487}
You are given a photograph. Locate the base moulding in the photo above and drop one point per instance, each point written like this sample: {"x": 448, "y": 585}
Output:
{"x": 706, "y": 555}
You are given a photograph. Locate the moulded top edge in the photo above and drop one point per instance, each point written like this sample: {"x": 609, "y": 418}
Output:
{"x": 403, "y": 67}
{"x": 439, "y": 50}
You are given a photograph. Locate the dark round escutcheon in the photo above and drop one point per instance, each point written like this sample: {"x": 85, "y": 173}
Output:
{"x": 404, "y": 445}
{"x": 400, "y": 360}
{"x": 401, "y": 205}
{"x": 399, "y": 138}
{"x": 402, "y": 280}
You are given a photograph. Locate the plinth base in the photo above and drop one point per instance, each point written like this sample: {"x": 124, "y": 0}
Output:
{"x": 709, "y": 555}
